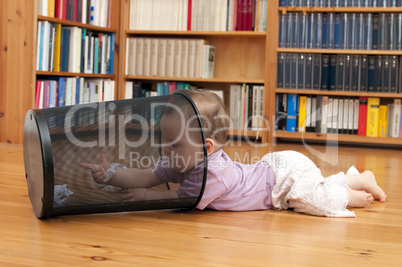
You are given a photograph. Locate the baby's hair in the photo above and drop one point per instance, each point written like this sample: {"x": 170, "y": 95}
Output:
{"x": 213, "y": 114}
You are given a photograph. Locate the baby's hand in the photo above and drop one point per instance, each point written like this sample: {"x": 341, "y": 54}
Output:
{"x": 133, "y": 194}
{"x": 98, "y": 171}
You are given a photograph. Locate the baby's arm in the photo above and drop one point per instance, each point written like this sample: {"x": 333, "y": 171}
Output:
{"x": 123, "y": 178}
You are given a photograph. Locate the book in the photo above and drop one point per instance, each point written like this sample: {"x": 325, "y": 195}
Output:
{"x": 302, "y": 113}
{"x": 316, "y": 71}
{"x": 235, "y": 106}
{"x": 280, "y": 70}
{"x": 300, "y": 71}
{"x": 308, "y": 71}
{"x": 362, "y": 128}
{"x": 325, "y": 72}
{"x": 373, "y": 106}
{"x": 281, "y": 112}
{"x": 396, "y": 118}
{"x": 208, "y": 61}
{"x": 347, "y": 73}
{"x": 383, "y": 121}
{"x": 291, "y": 120}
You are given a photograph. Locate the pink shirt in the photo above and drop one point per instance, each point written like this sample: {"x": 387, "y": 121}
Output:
{"x": 230, "y": 185}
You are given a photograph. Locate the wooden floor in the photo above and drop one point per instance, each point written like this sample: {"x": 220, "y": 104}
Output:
{"x": 209, "y": 238}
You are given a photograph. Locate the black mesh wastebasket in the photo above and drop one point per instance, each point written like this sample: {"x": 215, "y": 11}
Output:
{"x": 57, "y": 139}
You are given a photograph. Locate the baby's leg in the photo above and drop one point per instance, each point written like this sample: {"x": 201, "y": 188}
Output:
{"x": 366, "y": 181}
{"x": 359, "y": 199}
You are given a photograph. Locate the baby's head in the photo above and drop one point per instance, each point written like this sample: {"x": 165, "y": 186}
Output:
{"x": 180, "y": 130}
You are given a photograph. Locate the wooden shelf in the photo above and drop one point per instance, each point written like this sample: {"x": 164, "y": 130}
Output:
{"x": 338, "y": 93}
{"x": 200, "y": 33}
{"x": 78, "y": 24}
{"x": 245, "y": 133}
{"x": 340, "y": 9}
{"x": 180, "y": 79}
{"x": 73, "y": 74}
{"x": 340, "y": 51}
{"x": 342, "y": 138}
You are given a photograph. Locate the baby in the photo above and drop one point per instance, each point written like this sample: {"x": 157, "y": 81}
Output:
{"x": 280, "y": 180}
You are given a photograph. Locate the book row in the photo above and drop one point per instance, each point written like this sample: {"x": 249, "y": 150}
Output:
{"x": 73, "y": 49}
{"x": 198, "y": 15}
{"x": 135, "y": 89}
{"x": 364, "y": 116}
{"x": 382, "y": 31}
{"x": 364, "y": 73}
{"x": 246, "y": 106}
{"x": 93, "y": 12}
{"x": 189, "y": 58}
{"x": 340, "y": 3}
{"x": 64, "y": 91}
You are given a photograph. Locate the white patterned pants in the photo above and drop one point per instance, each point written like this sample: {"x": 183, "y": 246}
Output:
{"x": 301, "y": 186}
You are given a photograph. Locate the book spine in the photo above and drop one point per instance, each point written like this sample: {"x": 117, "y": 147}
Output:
{"x": 382, "y": 121}
{"x": 291, "y": 121}
{"x": 362, "y": 128}
{"x": 373, "y": 105}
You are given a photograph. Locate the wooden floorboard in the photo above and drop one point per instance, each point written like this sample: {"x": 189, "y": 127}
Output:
{"x": 209, "y": 238}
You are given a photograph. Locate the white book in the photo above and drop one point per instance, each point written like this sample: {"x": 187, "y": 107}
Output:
{"x": 199, "y": 51}
{"x": 217, "y": 7}
{"x": 324, "y": 114}
{"x": 133, "y": 15}
{"x": 340, "y": 115}
{"x": 97, "y": 13}
{"x": 139, "y": 56}
{"x": 208, "y": 61}
{"x": 169, "y": 71}
{"x": 86, "y": 53}
{"x": 162, "y": 57}
{"x": 91, "y": 55}
{"x": 396, "y": 118}
{"x": 103, "y": 16}
{"x": 329, "y": 114}
{"x": 356, "y": 116}
{"x": 154, "y": 57}
{"x": 194, "y": 14}
{"x": 45, "y": 46}
{"x": 104, "y": 53}
{"x": 84, "y": 11}
{"x": 146, "y": 71}
{"x": 235, "y": 105}
{"x": 223, "y": 15}
{"x": 179, "y": 17}
{"x": 184, "y": 58}
{"x": 39, "y": 40}
{"x": 345, "y": 115}
{"x": 42, "y": 7}
{"x": 351, "y": 114}
{"x": 230, "y": 15}
{"x": 335, "y": 106}
{"x": 255, "y": 108}
{"x": 130, "y": 56}
{"x": 128, "y": 90}
{"x": 185, "y": 15}
{"x": 191, "y": 58}
{"x": 308, "y": 112}
{"x": 177, "y": 57}
{"x": 112, "y": 89}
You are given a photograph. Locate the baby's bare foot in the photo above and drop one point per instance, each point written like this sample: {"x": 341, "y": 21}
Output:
{"x": 359, "y": 199}
{"x": 370, "y": 185}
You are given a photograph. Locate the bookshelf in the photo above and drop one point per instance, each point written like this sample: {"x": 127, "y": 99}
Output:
{"x": 239, "y": 59}
{"x": 103, "y": 31}
{"x": 275, "y": 11}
